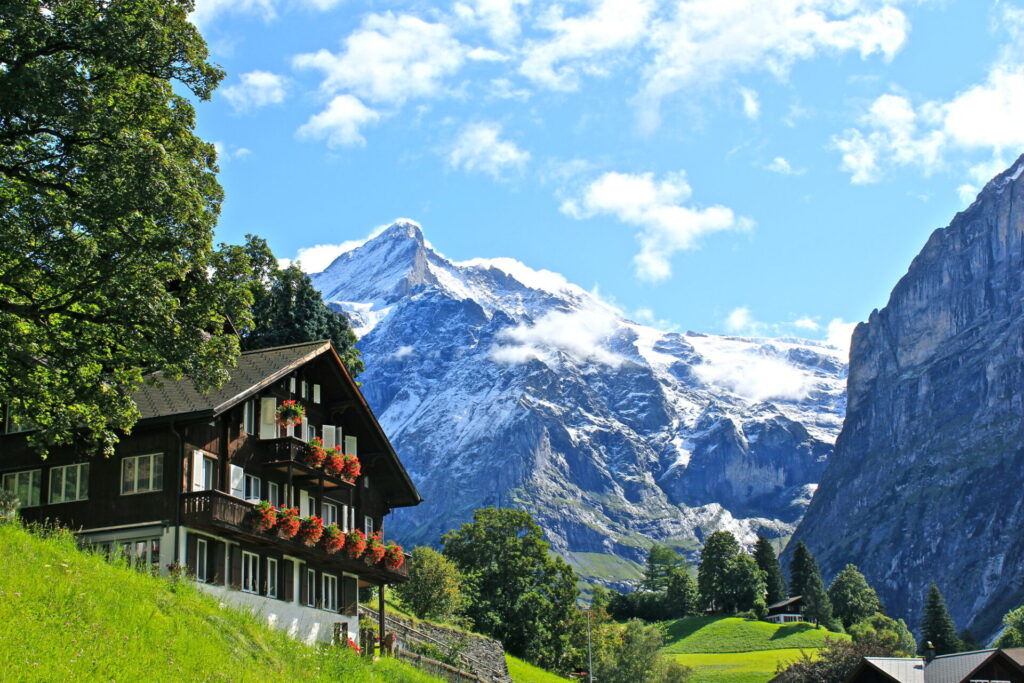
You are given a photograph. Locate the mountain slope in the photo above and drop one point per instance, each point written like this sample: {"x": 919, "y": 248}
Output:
{"x": 501, "y": 385}
{"x": 927, "y": 476}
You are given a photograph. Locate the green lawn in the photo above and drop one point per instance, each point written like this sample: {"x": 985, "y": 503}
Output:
{"x": 737, "y": 667}
{"x": 523, "y": 672}
{"x": 69, "y": 616}
{"x": 706, "y": 635}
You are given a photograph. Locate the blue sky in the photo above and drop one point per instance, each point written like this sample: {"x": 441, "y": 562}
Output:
{"x": 738, "y": 166}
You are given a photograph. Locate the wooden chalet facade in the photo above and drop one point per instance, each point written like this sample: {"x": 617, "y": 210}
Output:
{"x": 181, "y": 489}
{"x": 786, "y": 611}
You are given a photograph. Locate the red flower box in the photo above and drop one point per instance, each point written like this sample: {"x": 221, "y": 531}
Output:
{"x": 264, "y": 516}
{"x": 334, "y": 464}
{"x": 350, "y": 468}
{"x": 333, "y": 539}
{"x": 290, "y": 414}
{"x": 287, "y": 522}
{"x": 316, "y": 454}
{"x": 394, "y": 556}
{"x": 310, "y": 530}
{"x": 375, "y": 548}
{"x": 355, "y": 543}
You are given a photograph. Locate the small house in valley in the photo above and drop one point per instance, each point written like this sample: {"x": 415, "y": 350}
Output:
{"x": 270, "y": 492}
{"x": 980, "y": 666}
{"x": 786, "y": 611}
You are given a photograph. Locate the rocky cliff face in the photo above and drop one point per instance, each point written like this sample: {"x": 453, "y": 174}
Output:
{"x": 927, "y": 481}
{"x": 501, "y": 385}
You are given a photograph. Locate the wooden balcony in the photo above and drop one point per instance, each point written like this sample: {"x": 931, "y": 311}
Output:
{"x": 288, "y": 454}
{"x": 217, "y": 512}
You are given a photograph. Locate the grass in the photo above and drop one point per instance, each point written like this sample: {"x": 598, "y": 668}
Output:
{"x": 709, "y": 635}
{"x": 67, "y": 615}
{"x": 605, "y": 566}
{"x": 524, "y": 672}
{"x": 737, "y": 667}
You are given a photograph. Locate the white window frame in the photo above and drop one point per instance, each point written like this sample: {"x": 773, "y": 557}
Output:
{"x": 250, "y": 572}
{"x": 209, "y": 473}
{"x": 202, "y": 555}
{"x": 272, "y": 577}
{"x": 60, "y": 474}
{"x": 12, "y": 482}
{"x": 310, "y": 587}
{"x": 330, "y": 593}
{"x": 153, "y": 458}
{"x": 305, "y": 389}
{"x": 368, "y": 525}
{"x": 291, "y": 385}
{"x": 252, "y": 488}
{"x": 316, "y": 393}
{"x": 274, "y": 493}
{"x": 249, "y": 417}
{"x": 330, "y": 513}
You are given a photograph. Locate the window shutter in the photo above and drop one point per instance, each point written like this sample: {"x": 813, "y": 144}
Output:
{"x": 303, "y": 503}
{"x": 303, "y": 586}
{"x": 237, "y": 481}
{"x": 305, "y": 430}
{"x": 328, "y": 436}
{"x": 287, "y": 581}
{"x": 351, "y": 444}
{"x": 268, "y": 418}
{"x": 291, "y": 385}
{"x": 344, "y": 517}
{"x": 197, "y": 470}
{"x": 236, "y": 567}
{"x": 218, "y": 562}
{"x": 316, "y": 393}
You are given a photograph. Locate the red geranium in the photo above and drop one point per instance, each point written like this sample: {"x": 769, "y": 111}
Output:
{"x": 355, "y": 543}
{"x": 287, "y": 522}
{"x": 394, "y": 556}
{"x": 335, "y": 463}
{"x": 315, "y": 452}
{"x": 290, "y": 414}
{"x": 375, "y": 548}
{"x": 333, "y": 538}
{"x": 264, "y": 516}
{"x": 350, "y": 468}
{"x": 310, "y": 530}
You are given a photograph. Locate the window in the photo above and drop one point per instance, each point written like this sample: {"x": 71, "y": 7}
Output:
{"x": 250, "y": 572}
{"x": 330, "y": 594}
{"x": 311, "y": 587}
{"x": 209, "y": 469}
{"x": 142, "y": 473}
{"x": 16, "y": 424}
{"x": 249, "y": 417}
{"x": 69, "y": 483}
{"x": 201, "y": 561}
{"x": 252, "y": 488}
{"x": 330, "y": 515}
{"x": 368, "y": 525}
{"x": 25, "y": 485}
{"x": 143, "y": 553}
{"x": 316, "y": 393}
{"x": 274, "y": 493}
{"x": 291, "y": 385}
{"x": 305, "y": 389}
{"x": 271, "y": 577}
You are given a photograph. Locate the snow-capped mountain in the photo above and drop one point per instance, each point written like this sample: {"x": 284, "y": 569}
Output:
{"x": 502, "y": 385}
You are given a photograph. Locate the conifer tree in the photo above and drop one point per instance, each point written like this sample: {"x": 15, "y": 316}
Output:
{"x": 716, "y": 558}
{"x": 817, "y": 606}
{"x": 769, "y": 564}
{"x": 801, "y": 568}
{"x": 661, "y": 562}
{"x": 937, "y": 626}
{"x": 853, "y": 599}
{"x": 682, "y": 593}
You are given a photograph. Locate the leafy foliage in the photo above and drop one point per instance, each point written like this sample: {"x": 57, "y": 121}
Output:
{"x": 891, "y": 633}
{"x": 832, "y": 664}
{"x": 853, "y": 599}
{"x": 517, "y": 591}
{"x": 661, "y": 561}
{"x": 682, "y": 595}
{"x": 716, "y": 556}
{"x": 1013, "y": 631}
{"x": 769, "y": 564}
{"x": 107, "y": 207}
{"x": 937, "y": 626}
{"x": 434, "y": 588}
{"x": 629, "y": 653}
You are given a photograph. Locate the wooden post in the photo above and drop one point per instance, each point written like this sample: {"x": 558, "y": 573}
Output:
{"x": 380, "y": 615}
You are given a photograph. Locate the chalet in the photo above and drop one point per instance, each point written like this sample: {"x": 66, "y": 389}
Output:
{"x": 981, "y": 666}
{"x": 786, "y": 611}
{"x": 182, "y": 490}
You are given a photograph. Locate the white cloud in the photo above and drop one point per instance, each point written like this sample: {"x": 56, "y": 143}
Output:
{"x": 577, "y": 40}
{"x": 499, "y": 17}
{"x": 751, "y": 374}
{"x": 740, "y": 320}
{"x": 709, "y": 40}
{"x": 783, "y": 167}
{"x": 582, "y": 335}
{"x": 839, "y": 334}
{"x": 340, "y": 122}
{"x": 316, "y": 258}
{"x": 479, "y": 147}
{"x": 390, "y": 59}
{"x": 806, "y": 323}
{"x": 226, "y": 152}
{"x": 207, "y": 10}
{"x": 257, "y": 89}
{"x": 751, "y": 103}
{"x": 544, "y": 280}
{"x": 656, "y": 207}
{"x": 503, "y": 89}
{"x": 403, "y": 352}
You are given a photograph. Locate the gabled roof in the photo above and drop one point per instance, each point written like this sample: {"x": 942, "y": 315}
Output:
{"x": 786, "y": 602}
{"x": 900, "y": 669}
{"x": 256, "y": 369}
{"x": 957, "y": 667}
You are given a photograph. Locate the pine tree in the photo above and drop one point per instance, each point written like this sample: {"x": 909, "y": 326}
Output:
{"x": 769, "y": 564}
{"x": 661, "y": 562}
{"x": 801, "y": 568}
{"x": 853, "y": 599}
{"x": 937, "y": 626}
{"x": 817, "y": 606}
{"x": 712, "y": 575}
{"x": 682, "y": 593}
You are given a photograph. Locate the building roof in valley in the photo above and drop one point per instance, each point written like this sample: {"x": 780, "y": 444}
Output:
{"x": 956, "y": 667}
{"x": 902, "y": 669}
{"x": 787, "y": 602}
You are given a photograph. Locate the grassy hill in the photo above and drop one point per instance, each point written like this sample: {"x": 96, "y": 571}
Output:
{"x": 733, "y": 650}
{"x": 68, "y": 616}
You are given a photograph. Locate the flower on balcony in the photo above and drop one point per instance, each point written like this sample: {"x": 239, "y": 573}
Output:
{"x": 375, "y": 548}
{"x": 334, "y": 464}
{"x": 333, "y": 539}
{"x": 287, "y": 522}
{"x": 355, "y": 543}
{"x": 394, "y": 556}
{"x": 316, "y": 454}
{"x": 310, "y": 530}
{"x": 350, "y": 468}
{"x": 290, "y": 414}
{"x": 264, "y": 516}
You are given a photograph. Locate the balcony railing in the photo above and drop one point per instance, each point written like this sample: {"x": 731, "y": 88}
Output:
{"x": 218, "y": 512}
{"x": 289, "y": 452}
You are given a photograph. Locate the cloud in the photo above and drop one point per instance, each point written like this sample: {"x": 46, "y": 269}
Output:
{"x": 207, "y": 10}
{"x": 806, "y": 323}
{"x": 751, "y": 104}
{"x": 257, "y": 89}
{"x": 340, "y": 122}
{"x": 707, "y": 41}
{"x": 578, "y": 40}
{"x": 544, "y": 280}
{"x": 781, "y": 166}
{"x": 226, "y": 153}
{"x": 582, "y": 335}
{"x": 740, "y": 320}
{"x": 500, "y": 18}
{"x": 752, "y": 373}
{"x": 403, "y": 352}
{"x": 656, "y": 207}
{"x": 389, "y": 59}
{"x": 839, "y": 334}
{"x": 503, "y": 89}
{"x": 479, "y": 147}
{"x": 316, "y": 258}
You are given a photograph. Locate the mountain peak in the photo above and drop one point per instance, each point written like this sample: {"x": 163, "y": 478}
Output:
{"x": 401, "y": 229}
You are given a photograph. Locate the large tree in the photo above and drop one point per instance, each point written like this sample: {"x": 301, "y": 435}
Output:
{"x": 107, "y": 207}
{"x": 745, "y": 585}
{"x": 517, "y": 591}
{"x": 775, "y": 586}
{"x": 853, "y": 599}
{"x": 937, "y": 626}
{"x": 682, "y": 596}
{"x": 801, "y": 567}
{"x": 434, "y": 588}
{"x": 1013, "y": 629}
{"x": 817, "y": 606}
{"x": 661, "y": 562}
{"x": 716, "y": 558}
